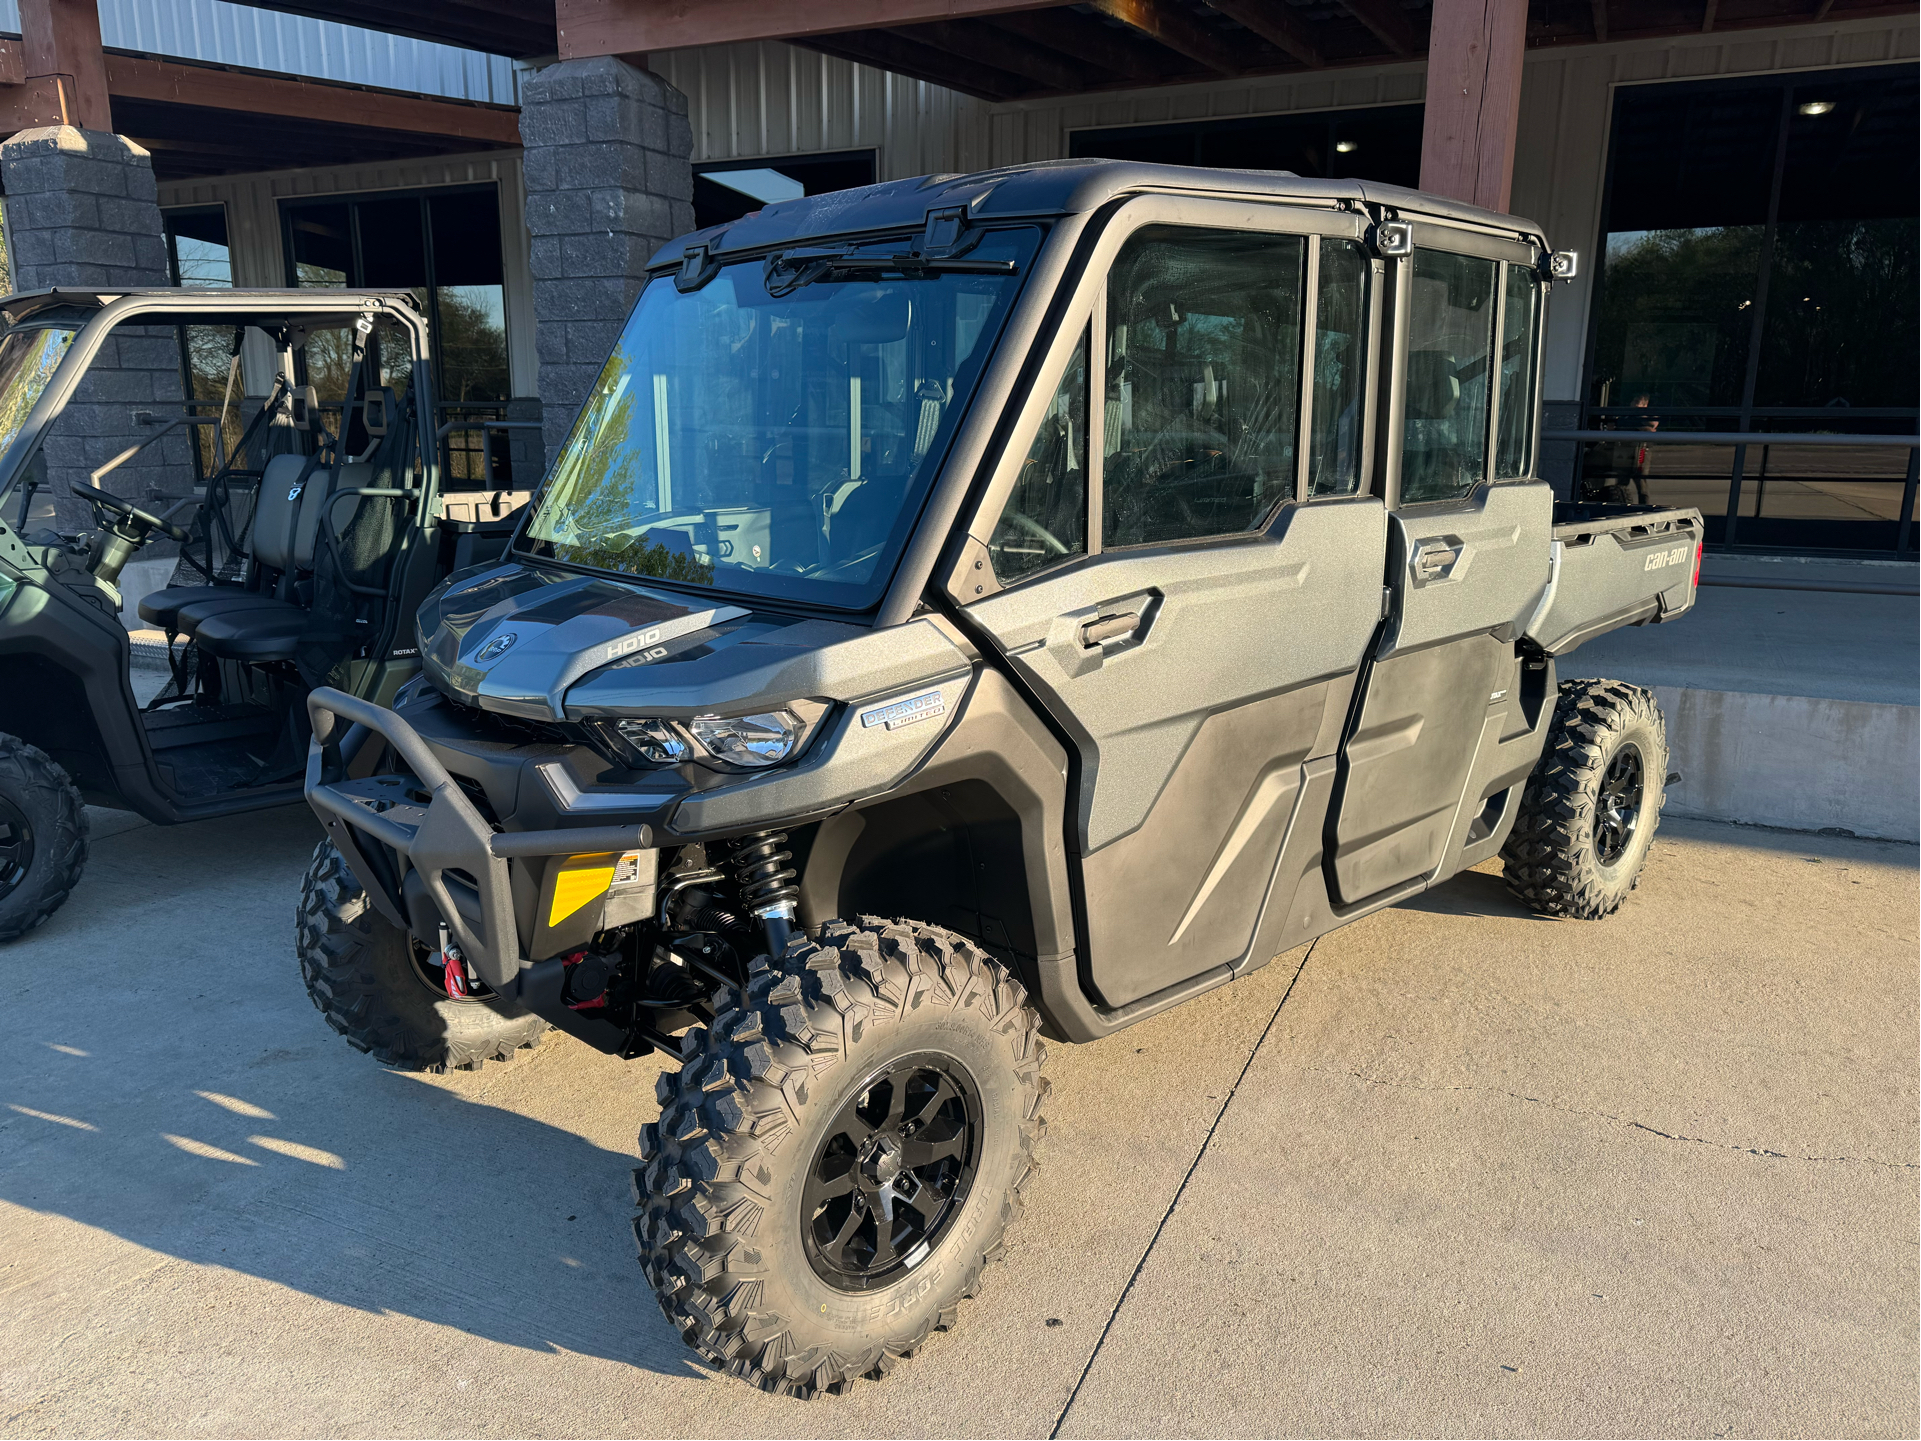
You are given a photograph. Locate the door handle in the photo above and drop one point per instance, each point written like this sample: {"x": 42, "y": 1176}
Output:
{"x": 1433, "y": 560}
{"x": 1109, "y": 627}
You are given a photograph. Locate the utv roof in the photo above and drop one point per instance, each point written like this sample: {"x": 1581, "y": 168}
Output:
{"x": 1054, "y": 188}
{"x": 201, "y": 305}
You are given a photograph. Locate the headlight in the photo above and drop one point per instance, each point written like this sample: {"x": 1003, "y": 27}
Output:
{"x": 654, "y": 741}
{"x": 748, "y": 742}
{"x": 724, "y": 743}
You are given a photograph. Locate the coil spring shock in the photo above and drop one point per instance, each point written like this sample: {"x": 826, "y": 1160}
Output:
{"x": 766, "y": 884}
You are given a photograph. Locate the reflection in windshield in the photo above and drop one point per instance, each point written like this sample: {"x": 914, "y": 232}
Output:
{"x": 775, "y": 445}
{"x": 27, "y": 362}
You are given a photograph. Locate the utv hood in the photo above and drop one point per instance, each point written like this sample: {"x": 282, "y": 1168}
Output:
{"x": 514, "y": 638}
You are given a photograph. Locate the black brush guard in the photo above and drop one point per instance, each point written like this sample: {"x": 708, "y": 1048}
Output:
{"x": 386, "y": 825}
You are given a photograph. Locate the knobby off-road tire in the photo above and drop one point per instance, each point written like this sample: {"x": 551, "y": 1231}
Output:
{"x": 363, "y": 975}
{"x": 749, "y": 1123}
{"x": 43, "y": 837}
{"x": 1585, "y": 821}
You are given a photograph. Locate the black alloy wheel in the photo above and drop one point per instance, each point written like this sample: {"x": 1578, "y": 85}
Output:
{"x": 1617, "y": 813}
{"x": 16, "y": 846}
{"x": 892, "y": 1173}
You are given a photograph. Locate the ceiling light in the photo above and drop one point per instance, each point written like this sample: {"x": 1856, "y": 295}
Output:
{"x": 1347, "y": 147}
{"x": 1815, "y": 107}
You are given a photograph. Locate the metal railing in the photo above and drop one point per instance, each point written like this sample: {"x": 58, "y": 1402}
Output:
{"x": 486, "y": 425}
{"x": 1740, "y": 440}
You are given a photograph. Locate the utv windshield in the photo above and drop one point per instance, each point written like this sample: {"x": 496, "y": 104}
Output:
{"x": 28, "y": 359}
{"x": 776, "y": 430}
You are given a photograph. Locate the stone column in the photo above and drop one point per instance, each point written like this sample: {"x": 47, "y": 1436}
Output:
{"x": 82, "y": 213}
{"x": 609, "y": 181}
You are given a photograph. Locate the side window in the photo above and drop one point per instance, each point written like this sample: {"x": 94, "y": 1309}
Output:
{"x": 1450, "y": 336}
{"x": 1340, "y": 370}
{"x": 1203, "y": 383}
{"x": 1046, "y": 516}
{"x": 1520, "y": 341}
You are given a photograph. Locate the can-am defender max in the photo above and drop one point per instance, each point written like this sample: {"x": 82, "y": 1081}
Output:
{"x": 305, "y": 555}
{"x": 967, "y": 608}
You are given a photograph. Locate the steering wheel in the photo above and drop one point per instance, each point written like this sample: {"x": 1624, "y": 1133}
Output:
{"x": 93, "y": 495}
{"x": 1034, "y": 528}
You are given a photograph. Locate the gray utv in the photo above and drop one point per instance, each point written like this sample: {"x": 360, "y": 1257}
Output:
{"x": 966, "y": 610}
{"x": 302, "y": 557}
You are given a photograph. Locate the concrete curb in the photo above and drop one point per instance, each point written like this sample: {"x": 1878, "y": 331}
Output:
{"x": 1802, "y": 763}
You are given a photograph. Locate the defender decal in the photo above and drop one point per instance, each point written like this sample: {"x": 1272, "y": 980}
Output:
{"x": 906, "y": 712}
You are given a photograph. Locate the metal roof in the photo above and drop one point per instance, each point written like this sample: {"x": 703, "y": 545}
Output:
{"x": 261, "y": 39}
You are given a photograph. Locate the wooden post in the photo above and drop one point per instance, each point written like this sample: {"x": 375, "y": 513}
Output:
{"x": 61, "y": 39}
{"x": 1473, "y": 99}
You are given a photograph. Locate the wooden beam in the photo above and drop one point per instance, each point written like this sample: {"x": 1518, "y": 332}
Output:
{"x": 1821, "y": 10}
{"x": 619, "y": 27}
{"x": 1601, "y": 20}
{"x": 1175, "y": 29}
{"x": 1389, "y": 23}
{"x": 1473, "y": 107}
{"x": 1001, "y": 51}
{"x": 1707, "y": 16}
{"x": 255, "y": 92}
{"x": 1269, "y": 20}
{"x": 60, "y": 41}
{"x": 1083, "y": 38}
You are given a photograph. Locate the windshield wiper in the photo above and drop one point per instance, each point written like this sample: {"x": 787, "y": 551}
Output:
{"x": 788, "y": 270}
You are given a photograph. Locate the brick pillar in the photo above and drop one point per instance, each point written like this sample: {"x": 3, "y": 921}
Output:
{"x": 82, "y": 213}
{"x": 608, "y": 182}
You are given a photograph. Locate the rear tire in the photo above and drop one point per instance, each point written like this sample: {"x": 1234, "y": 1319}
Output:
{"x": 1590, "y": 810}
{"x": 888, "y": 1073}
{"x": 366, "y": 977}
{"x": 43, "y": 837}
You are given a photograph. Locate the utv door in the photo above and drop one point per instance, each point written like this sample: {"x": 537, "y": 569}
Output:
{"x": 1174, "y": 595}
{"x": 1468, "y": 549}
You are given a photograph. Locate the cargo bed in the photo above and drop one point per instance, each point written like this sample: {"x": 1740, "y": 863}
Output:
{"x": 1615, "y": 565}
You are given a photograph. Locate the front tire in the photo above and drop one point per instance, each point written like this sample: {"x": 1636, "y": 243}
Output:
{"x": 375, "y": 986}
{"x": 43, "y": 837}
{"x": 840, "y": 1153}
{"x": 1590, "y": 810}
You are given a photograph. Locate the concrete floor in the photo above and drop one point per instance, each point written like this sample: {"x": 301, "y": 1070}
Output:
{"x": 1452, "y": 1171}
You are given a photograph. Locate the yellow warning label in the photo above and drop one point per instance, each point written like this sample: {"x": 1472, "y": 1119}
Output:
{"x": 579, "y": 880}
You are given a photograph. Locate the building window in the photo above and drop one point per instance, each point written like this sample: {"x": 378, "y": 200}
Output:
{"x": 1382, "y": 142}
{"x": 725, "y": 190}
{"x": 1758, "y": 256}
{"x": 197, "y": 255}
{"x": 444, "y": 246}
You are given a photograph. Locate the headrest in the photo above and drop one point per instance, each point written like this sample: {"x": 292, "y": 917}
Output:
{"x": 379, "y": 412}
{"x": 303, "y": 405}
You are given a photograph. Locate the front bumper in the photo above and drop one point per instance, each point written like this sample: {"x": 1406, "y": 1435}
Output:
{"x": 385, "y": 826}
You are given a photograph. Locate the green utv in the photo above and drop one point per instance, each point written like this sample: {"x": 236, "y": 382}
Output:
{"x": 306, "y": 551}
{"x": 970, "y": 609}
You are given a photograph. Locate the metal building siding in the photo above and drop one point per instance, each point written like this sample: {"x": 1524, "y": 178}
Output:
{"x": 225, "y": 34}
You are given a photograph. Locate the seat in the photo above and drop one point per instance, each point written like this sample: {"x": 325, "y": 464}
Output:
{"x": 286, "y": 525}
{"x": 162, "y": 607}
{"x": 254, "y": 635}
{"x": 178, "y": 608}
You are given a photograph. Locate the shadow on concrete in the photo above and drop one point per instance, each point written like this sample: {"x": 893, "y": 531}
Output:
{"x": 167, "y": 1082}
{"x": 1471, "y": 893}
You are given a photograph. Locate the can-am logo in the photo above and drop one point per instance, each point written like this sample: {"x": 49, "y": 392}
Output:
{"x": 497, "y": 647}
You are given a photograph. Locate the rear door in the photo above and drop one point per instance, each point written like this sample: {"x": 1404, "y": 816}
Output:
{"x": 1187, "y": 576}
{"x": 1467, "y": 555}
